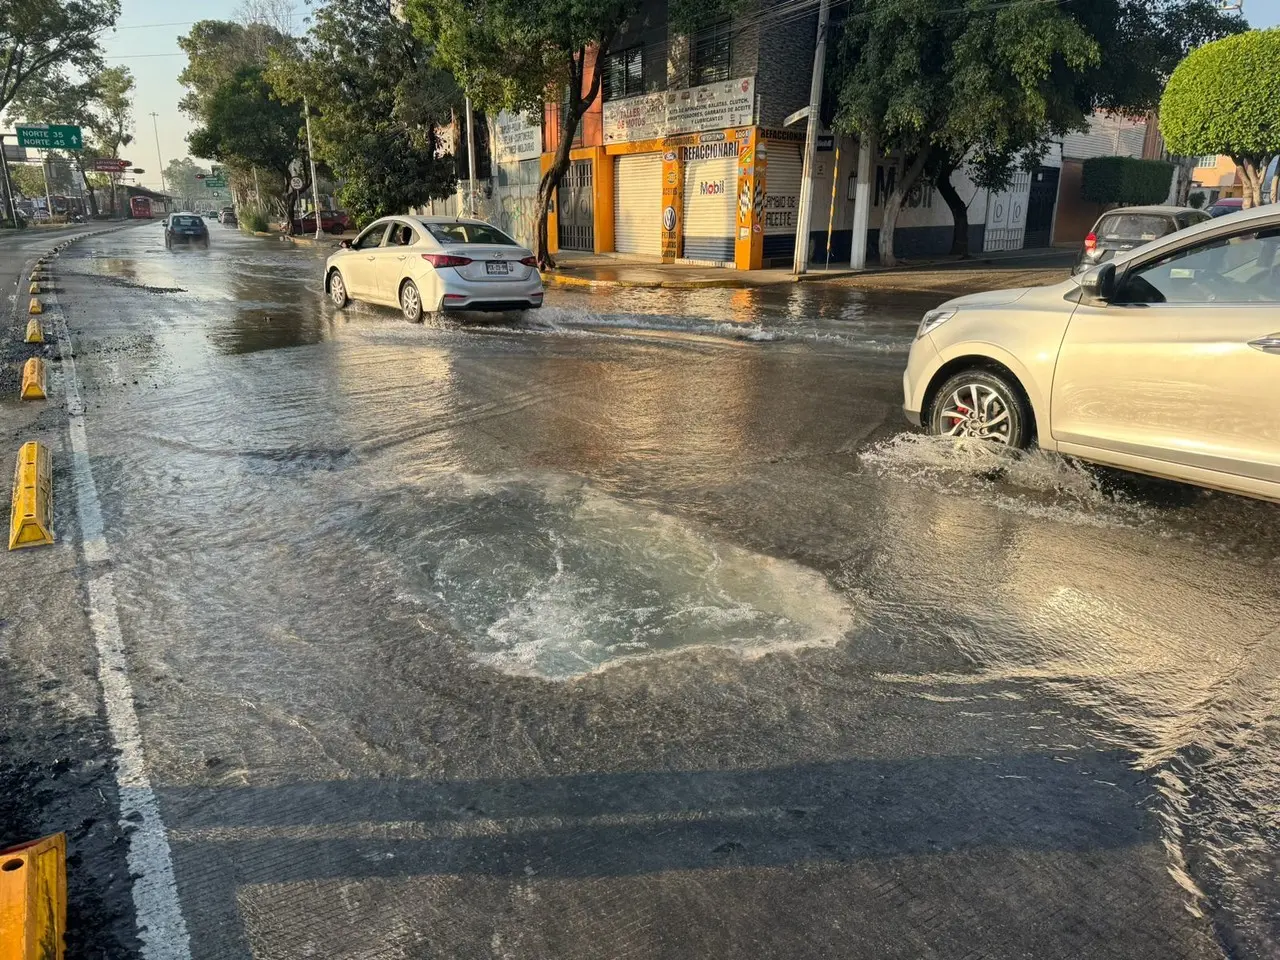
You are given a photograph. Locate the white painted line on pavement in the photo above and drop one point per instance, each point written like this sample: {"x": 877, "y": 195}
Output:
{"x": 161, "y": 926}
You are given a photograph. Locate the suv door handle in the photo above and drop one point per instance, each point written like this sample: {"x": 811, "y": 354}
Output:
{"x": 1268, "y": 344}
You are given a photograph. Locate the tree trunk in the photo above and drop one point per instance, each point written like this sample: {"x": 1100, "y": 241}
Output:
{"x": 1251, "y": 174}
{"x": 93, "y": 201}
{"x": 893, "y": 206}
{"x": 577, "y": 105}
{"x": 959, "y": 212}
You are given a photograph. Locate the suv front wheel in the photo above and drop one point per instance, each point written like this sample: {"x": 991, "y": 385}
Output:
{"x": 981, "y": 405}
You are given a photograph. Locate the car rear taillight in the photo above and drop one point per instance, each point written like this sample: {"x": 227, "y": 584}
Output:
{"x": 445, "y": 260}
{"x": 529, "y": 262}
{"x": 1091, "y": 243}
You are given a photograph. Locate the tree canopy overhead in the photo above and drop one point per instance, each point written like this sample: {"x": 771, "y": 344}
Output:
{"x": 39, "y": 36}
{"x": 1224, "y": 98}
{"x": 377, "y": 101}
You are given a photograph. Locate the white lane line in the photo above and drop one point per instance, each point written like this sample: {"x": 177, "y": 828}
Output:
{"x": 161, "y": 926}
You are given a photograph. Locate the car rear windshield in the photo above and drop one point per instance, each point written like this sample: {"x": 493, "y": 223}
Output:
{"x": 469, "y": 233}
{"x": 1134, "y": 226}
{"x": 186, "y": 221}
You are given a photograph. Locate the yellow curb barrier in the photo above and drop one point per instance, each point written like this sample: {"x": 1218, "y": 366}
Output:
{"x": 33, "y": 380}
{"x": 31, "y": 520}
{"x": 34, "y": 333}
{"x": 33, "y": 900}
{"x": 36, "y": 306}
{"x": 35, "y": 286}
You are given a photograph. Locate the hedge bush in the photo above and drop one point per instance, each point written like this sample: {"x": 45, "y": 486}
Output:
{"x": 1126, "y": 181}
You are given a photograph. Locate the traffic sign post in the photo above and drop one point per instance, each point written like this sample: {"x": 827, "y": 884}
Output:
{"x": 109, "y": 165}
{"x": 213, "y": 183}
{"x": 50, "y": 136}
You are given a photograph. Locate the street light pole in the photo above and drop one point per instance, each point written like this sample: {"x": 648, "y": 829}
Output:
{"x": 44, "y": 169}
{"x": 805, "y": 214}
{"x": 471, "y": 162}
{"x": 159, "y": 159}
{"x": 311, "y": 155}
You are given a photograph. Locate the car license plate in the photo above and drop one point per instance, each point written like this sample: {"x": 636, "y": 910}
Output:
{"x": 501, "y": 267}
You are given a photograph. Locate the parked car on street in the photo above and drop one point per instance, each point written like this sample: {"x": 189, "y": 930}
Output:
{"x": 429, "y": 264}
{"x": 1220, "y": 208}
{"x": 1127, "y": 227}
{"x": 227, "y": 215}
{"x": 185, "y": 229}
{"x": 331, "y": 221}
{"x": 1164, "y": 360}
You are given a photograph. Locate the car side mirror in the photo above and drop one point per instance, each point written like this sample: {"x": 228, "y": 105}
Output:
{"x": 344, "y": 244}
{"x": 1099, "y": 283}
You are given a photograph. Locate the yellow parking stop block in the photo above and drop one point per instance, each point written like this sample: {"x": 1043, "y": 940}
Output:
{"x": 33, "y": 900}
{"x": 35, "y": 286}
{"x": 31, "y": 520}
{"x": 36, "y": 306}
{"x": 33, "y": 380}
{"x": 34, "y": 333}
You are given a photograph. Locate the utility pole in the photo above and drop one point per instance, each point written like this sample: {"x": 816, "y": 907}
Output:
{"x": 311, "y": 155}
{"x": 805, "y": 216}
{"x": 159, "y": 158}
{"x": 861, "y": 203}
{"x": 471, "y": 162}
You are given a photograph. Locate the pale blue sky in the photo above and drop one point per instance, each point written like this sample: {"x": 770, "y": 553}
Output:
{"x": 146, "y": 40}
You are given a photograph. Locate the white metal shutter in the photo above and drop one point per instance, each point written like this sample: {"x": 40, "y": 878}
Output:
{"x": 710, "y": 208}
{"x": 783, "y": 171}
{"x": 637, "y": 204}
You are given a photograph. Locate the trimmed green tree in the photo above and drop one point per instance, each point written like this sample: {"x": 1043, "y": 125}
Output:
{"x": 1125, "y": 180}
{"x": 1224, "y": 98}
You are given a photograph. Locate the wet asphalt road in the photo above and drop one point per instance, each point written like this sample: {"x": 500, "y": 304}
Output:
{"x": 635, "y": 628}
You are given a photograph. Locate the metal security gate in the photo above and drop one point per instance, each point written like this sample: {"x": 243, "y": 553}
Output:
{"x": 637, "y": 204}
{"x": 1040, "y": 202}
{"x": 577, "y": 208}
{"x": 710, "y": 201}
{"x": 781, "y": 200}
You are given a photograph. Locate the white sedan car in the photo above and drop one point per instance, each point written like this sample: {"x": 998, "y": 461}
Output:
{"x": 428, "y": 264}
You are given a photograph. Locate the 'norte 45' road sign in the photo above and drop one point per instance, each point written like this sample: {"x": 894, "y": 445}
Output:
{"x": 50, "y": 136}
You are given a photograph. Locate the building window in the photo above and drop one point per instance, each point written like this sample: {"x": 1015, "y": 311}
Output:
{"x": 711, "y": 49}
{"x": 1209, "y": 160}
{"x": 624, "y": 74}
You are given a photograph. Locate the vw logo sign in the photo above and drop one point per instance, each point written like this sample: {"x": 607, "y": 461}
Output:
{"x": 669, "y": 219}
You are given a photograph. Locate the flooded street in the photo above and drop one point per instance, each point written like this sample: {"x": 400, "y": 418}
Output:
{"x": 640, "y": 626}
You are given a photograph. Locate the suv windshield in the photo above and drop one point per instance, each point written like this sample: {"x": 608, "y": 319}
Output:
{"x": 468, "y": 233}
{"x": 1134, "y": 226}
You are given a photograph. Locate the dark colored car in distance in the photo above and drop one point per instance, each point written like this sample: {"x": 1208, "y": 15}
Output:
{"x": 1220, "y": 208}
{"x": 1127, "y": 227}
{"x": 227, "y": 217}
{"x": 331, "y": 221}
{"x": 185, "y": 228}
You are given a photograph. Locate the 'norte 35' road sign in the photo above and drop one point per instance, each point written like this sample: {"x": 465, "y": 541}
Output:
{"x": 50, "y": 136}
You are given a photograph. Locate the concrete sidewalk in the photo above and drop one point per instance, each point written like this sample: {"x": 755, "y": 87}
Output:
{"x": 602, "y": 270}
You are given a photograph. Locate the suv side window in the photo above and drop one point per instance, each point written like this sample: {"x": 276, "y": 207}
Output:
{"x": 1243, "y": 268}
{"x": 372, "y": 237}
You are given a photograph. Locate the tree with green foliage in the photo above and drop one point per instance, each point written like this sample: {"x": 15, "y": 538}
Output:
{"x": 377, "y": 102}
{"x": 102, "y": 106}
{"x": 216, "y": 50}
{"x": 940, "y": 85}
{"x": 508, "y": 54}
{"x": 184, "y": 179}
{"x": 38, "y": 36}
{"x": 247, "y": 126}
{"x": 989, "y": 84}
{"x": 1224, "y": 98}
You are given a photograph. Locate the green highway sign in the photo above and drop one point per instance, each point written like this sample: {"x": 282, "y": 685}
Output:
{"x": 50, "y": 136}
{"x": 213, "y": 183}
